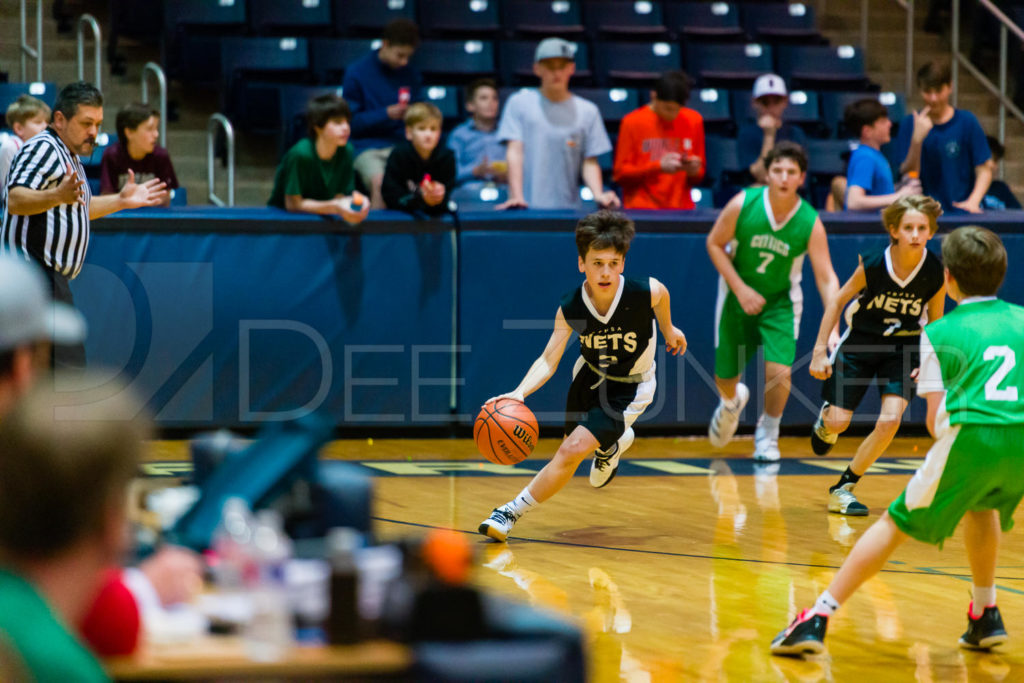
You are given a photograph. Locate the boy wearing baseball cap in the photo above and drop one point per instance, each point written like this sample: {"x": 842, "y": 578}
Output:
{"x": 755, "y": 140}
{"x": 553, "y": 138}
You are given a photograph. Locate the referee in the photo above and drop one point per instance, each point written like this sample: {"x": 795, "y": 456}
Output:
{"x": 47, "y": 204}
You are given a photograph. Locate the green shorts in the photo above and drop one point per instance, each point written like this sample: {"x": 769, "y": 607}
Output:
{"x": 737, "y": 335}
{"x": 970, "y": 468}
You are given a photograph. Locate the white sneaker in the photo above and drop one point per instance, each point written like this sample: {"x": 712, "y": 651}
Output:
{"x": 499, "y": 524}
{"x": 604, "y": 465}
{"x": 725, "y": 420}
{"x": 766, "y": 443}
{"x": 843, "y": 502}
{"x": 822, "y": 440}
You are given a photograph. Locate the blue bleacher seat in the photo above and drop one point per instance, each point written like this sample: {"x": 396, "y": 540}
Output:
{"x": 190, "y": 49}
{"x": 733, "y": 65}
{"x": 778, "y": 22}
{"x": 614, "y": 103}
{"x": 804, "y": 110}
{"x": 724, "y": 174}
{"x": 702, "y": 198}
{"x": 636, "y": 64}
{"x": 47, "y": 92}
{"x": 290, "y": 17}
{"x": 515, "y": 62}
{"x": 827, "y": 158}
{"x": 247, "y": 64}
{"x": 704, "y": 21}
{"x": 328, "y": 57}
{"x": 179, "y": 197}
{"x": 822, "y": 66}
{"x": 716, "y": 109}
{"x": 367, "y": 18}
{"x": 448, "y": 99}
{"x": 615, "y": 18}
{"x": 453, "y": 18}
{"x": 541, "y": 19}
{"x": 833, "y": 105}
{"x": 455, "y": 61}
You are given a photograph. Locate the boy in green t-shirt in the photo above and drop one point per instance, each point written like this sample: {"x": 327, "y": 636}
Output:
{"x": 758, "y": 245}
{"x": 973, "y": 384}
{"x": 316, "y": 174}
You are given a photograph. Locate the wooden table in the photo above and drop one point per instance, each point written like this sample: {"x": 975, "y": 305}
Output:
{"x": 220, "y": 657}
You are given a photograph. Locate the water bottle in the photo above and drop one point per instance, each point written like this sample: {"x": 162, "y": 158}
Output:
{"x": 343, "y": 619}
{"x": 269, "y": 634}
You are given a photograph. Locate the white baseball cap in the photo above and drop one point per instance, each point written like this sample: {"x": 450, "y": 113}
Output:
{"x": 769, "y": 84}
{"x": 551, "y": 48}
{"x": 27, "y": 310}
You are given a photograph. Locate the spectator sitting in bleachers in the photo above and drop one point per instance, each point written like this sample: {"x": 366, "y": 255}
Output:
{"x": 945, "y": 145}
{"x": 553, "y": 137}
{"x": 479, "y": 155}
{"x": 138, "y": 129}
{"x": 660, "y": 151}
{"x": 420, "y": 173}
{"x": 999, "y": 196}
{"x": 379, "y": 89}
{"x": 755, "y": 140}
{"x": 316, "y": 175}
{"x": 869, "y": 184}
{"x": 26, "y": 116}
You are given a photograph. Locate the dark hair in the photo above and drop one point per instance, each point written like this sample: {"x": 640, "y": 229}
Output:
{"x": 996, "y": 147}
{"x": 787, "y": 150}
{"x": 401, "y": 32}
{"x": 864, "y": 112}
{"x": 480, "y": 83}
{"x": 73, "y": 95}
{"x": 673, "y": 86}
{"x": 603, "y": 229}
{"x": 976, "y": 258}
{"x": 60, "y": 474}
{"x": 131, "y": 117}
{"x": 323, "y": 108}
{"x": 892, "y": 215}
{"x": 934, "y": 75}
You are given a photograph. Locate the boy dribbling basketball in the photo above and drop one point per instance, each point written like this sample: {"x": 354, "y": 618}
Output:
{"x": 613, "y": 380}
{"x": 974, "y": 385}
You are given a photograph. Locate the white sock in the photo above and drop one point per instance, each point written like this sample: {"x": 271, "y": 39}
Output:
{"x": 826, "y": 605}
{"x": 523, "y": 503}
{"x": 983, "y": 596}
{"x": 770, "y": 424}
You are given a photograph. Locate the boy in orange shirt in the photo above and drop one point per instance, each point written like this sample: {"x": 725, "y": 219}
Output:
{"x": 660, "y": 153}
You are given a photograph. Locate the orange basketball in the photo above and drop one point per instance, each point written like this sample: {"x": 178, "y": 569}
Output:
{"x": 505, "y": 431}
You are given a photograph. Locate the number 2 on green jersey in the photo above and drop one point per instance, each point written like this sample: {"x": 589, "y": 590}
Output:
{"x": 1009, "y": 360}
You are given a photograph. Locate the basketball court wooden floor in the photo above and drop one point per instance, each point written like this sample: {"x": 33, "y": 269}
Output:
{"x": 689, "y": 562}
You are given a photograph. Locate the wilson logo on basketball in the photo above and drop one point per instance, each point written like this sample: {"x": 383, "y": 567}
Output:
{"x": 504, "y": 448}
{"x": 523, "y": 435}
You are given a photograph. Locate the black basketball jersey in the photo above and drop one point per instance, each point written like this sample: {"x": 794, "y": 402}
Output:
{"x": 621, "y": 342}
{"x": 891, "y": 307}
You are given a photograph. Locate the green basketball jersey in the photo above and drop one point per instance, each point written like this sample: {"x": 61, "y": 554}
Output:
{"x": 769, "y": 257}
{"x": 979, "y": 349}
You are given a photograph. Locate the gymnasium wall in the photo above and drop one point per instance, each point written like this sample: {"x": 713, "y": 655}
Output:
{"x": 231, "y": 317}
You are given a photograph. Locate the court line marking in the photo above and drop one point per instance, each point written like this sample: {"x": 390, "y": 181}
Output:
{"x": 927, "y": 571}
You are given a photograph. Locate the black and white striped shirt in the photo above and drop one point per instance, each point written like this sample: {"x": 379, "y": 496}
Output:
{"x": 58, "y": 237}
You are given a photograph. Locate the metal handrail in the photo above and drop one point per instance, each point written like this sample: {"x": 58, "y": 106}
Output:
{"x": 1006, "y": 25}
{"x": 90, "y": 21}
{"x": 161, "y": 81}
{"x": 220, "y": 121}
{"x": 27, "y": 51}
{"x": 908, "y": 71}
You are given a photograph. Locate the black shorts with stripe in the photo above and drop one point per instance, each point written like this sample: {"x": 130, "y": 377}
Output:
{"x": 608, "y": 408}
{"x": 864, "y": 361}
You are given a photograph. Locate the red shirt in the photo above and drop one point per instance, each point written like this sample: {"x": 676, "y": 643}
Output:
{"x": 644, "y": 137}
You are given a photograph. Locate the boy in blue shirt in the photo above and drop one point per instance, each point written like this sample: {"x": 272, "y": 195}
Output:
{"x": 479, "y": 155}
{"x": 379, "y": 89}
{"x": 945, "y": 145}
{"x": 869, "y": 183}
